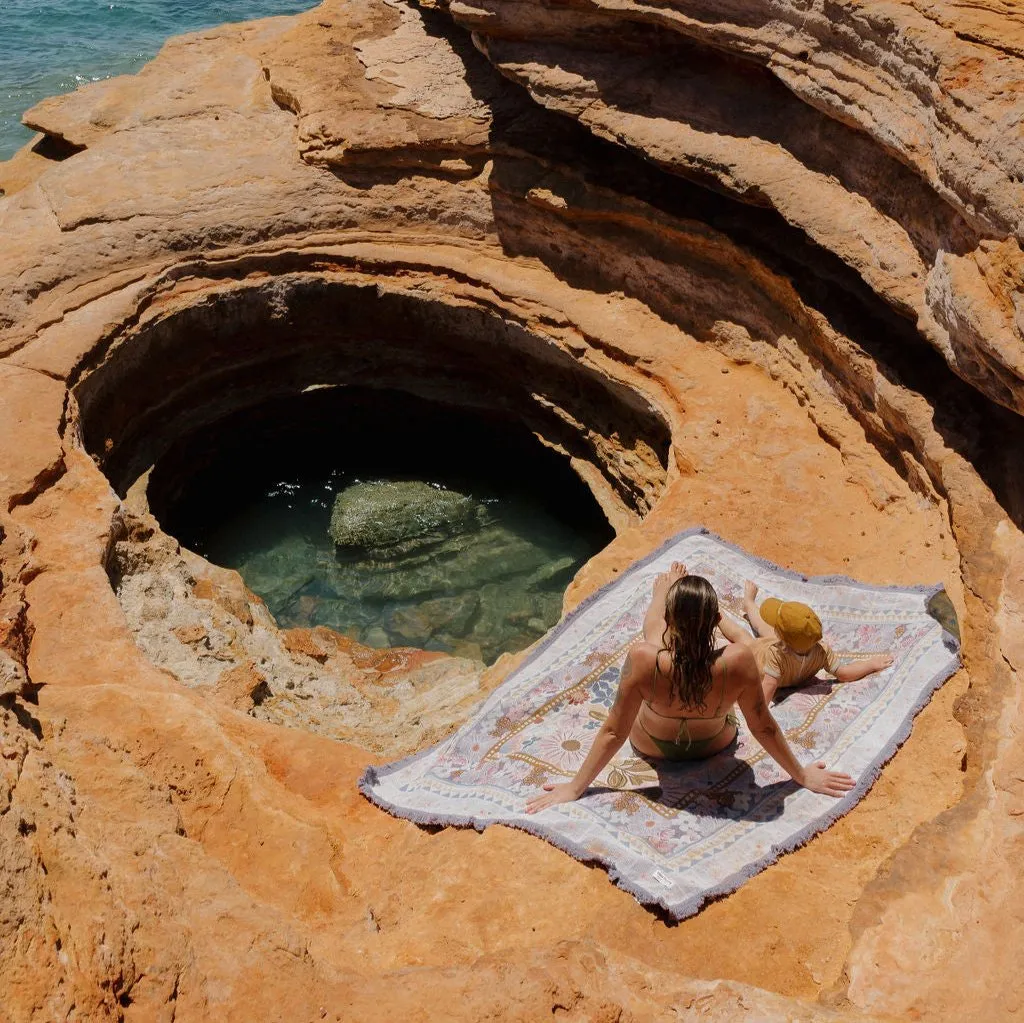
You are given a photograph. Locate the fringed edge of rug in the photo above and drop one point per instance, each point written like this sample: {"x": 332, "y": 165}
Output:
{"x": 371, "y": 776}
{"x": 687, "y": 908}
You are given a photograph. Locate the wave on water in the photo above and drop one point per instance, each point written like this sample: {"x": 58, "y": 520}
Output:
{"x": 53, "y": 46}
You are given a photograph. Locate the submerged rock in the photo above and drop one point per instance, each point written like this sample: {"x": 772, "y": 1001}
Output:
{"x": 457, "y": 563}
{"x": 438, "y": 568}
{"x": 280, "y": 574}
{"x": 416, "y": 624}
{"x": 391, "y": 518}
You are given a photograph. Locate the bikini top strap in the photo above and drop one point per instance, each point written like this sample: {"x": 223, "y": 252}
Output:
{"x": 654, "y": 679}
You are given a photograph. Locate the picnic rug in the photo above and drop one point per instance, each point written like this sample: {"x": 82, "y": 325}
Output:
{"x": 680, "y": 834}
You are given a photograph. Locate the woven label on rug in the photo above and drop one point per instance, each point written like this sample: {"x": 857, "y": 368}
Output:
{"x": 680, "y": 834}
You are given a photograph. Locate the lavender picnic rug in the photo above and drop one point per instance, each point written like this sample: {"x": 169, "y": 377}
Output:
{"x": 684, "y": 833}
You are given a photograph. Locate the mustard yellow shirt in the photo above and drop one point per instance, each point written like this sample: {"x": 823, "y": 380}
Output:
{"x": 790, "y": 668}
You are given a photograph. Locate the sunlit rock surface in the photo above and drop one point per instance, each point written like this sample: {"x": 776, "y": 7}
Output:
{"x": 756, "y": 267}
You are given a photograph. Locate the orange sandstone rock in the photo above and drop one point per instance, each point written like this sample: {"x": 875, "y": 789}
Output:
{"x": 358, "y": 194}
{"x": 241, "y": 687}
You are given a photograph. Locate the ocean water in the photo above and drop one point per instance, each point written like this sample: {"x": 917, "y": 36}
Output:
{"x": 54, "y": 46}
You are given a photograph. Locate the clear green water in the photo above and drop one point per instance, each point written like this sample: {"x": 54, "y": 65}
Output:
{"x": 53, "y": 46}
{"x": 476, "y": 586}
{"x": 455, "y": 529}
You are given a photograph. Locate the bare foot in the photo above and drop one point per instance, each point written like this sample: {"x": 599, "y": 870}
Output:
{"x": 666, "y": 579}
{"x": 749, "y": 592}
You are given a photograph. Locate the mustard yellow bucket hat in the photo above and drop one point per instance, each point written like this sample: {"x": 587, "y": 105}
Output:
{"x": 796, "y": 623}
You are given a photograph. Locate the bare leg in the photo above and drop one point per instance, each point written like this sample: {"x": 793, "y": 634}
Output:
{"x": 750, "y": 610}
{"x": 733, "y": 632}
{"x": 654, "y": 620}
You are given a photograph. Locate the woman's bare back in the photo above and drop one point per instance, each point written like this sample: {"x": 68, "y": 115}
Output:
{"x": 662, "y": 715}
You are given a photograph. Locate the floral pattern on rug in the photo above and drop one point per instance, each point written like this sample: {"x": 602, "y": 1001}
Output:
{"x": 677, "y": 834}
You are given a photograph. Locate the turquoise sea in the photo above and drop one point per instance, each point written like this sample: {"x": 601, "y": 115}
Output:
{"x": 53, "y": 46}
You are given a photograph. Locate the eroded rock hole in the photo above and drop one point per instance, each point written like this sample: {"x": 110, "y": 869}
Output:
{"x": 55, "y": 148}
{"x": 396, "y": 520}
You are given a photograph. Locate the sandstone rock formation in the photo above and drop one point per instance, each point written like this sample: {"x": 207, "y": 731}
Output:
{"x": 756, "y": 267}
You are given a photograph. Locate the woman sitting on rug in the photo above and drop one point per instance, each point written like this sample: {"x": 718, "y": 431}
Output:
{"x": 677, "y": 693}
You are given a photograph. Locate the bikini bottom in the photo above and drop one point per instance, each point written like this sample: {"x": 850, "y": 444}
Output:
{"x": 693, "y": 749}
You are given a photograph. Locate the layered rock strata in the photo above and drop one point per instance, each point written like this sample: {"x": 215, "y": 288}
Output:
{"x": 890, "y": 139}
{"x": 709, "y": 306}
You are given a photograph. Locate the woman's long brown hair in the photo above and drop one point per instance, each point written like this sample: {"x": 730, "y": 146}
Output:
{"x": 691, "y": 614}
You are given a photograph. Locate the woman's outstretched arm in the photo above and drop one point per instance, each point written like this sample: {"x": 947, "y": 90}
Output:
{"x": 639, "y": 665}
{"x": 766, "y": 730}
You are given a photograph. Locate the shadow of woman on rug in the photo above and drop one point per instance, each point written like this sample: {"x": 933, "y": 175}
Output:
{"x": 723, "y": 786}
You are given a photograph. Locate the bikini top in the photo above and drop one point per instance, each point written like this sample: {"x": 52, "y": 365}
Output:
{"x": 687, "y": 717}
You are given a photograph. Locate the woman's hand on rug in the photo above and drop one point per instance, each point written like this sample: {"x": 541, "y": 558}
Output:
{"x": 553, "y": 795}
{"x": 818, "y": 778}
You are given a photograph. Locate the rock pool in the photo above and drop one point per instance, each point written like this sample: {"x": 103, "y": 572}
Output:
{"x": 436, "y": 528}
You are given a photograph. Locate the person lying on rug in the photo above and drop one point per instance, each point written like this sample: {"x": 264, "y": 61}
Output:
{"x": 677, "y": 693}
{"x": 789, "y": 648}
